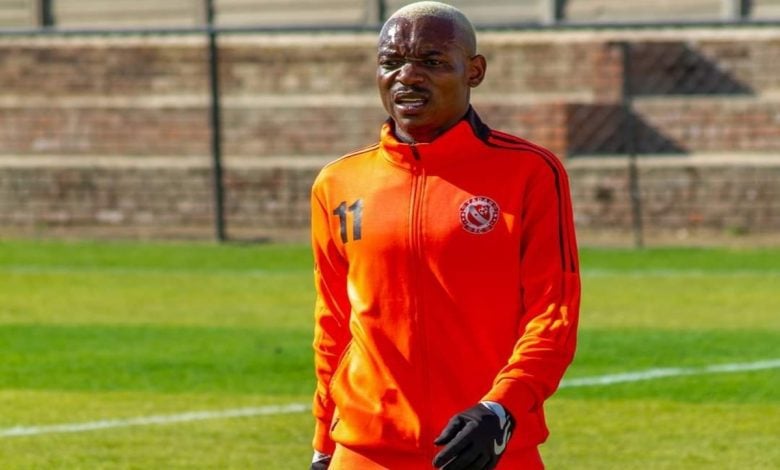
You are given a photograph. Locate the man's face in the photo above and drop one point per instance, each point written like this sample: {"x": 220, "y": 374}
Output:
{"x": 424, "y": 75}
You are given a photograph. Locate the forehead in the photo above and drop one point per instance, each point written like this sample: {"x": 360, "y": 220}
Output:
{"x": 419, "y": 34}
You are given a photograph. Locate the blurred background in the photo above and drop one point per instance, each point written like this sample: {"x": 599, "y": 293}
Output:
{"x": 209, "y": 119}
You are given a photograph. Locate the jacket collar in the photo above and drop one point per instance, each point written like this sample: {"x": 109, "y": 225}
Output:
{"x": 463, "y": 140}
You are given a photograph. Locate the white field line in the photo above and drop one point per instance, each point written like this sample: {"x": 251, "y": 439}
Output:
{"x": 152, "y": 420}
{"x": 682, "y": 272}
{"x": 650, "y": 374}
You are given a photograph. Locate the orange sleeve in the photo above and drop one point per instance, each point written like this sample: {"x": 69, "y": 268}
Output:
{"x": 550, "y": 294}
{"x": 331, "y": 327}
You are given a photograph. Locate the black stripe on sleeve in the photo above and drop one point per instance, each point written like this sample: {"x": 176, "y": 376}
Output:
{"x": 505, "y": 141}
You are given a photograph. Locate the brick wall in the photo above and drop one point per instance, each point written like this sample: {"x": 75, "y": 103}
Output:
{"x": 113, "y": 134}
{"x": 714, "y": 195}
{"x": 151, "y": 198}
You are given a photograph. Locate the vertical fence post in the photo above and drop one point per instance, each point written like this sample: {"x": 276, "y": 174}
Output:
{"x": 46, "y": 12}
{"x": 375, "y": 11}
{"x": 560, "y": 10}
{"x": 631, "y": 146}
{"x": 745, "y": 9}
{"x": 381, "y": 9}
{"x": 736, "y": 10}
{"x": 216, "y": 126}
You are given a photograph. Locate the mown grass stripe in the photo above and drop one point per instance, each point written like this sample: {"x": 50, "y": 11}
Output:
{"x": 143, "y": 270}
{"x": 610, "y": 379}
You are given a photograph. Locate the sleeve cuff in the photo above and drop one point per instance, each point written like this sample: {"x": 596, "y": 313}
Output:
{"x": 319, "y": 457}
{"x": 516, "y": 396}
{"x": 322, "y": 442}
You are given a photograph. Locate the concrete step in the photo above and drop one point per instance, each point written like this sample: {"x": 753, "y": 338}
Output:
{"x": 676, "y": 126}
{"x": 295, "y": 13}
{"x": 157, "y": 197}
{"x": 18, "y": 13}
{"x": 567, "y": 63}
{"x": 699, "y": 195}
{"x": 766, "y": 9}
{"x": 666, "y": 125}
{"x": 708, "y": 124}
{"x": 492, "y": 11}
{"x": 643, "y": 10}
{"x": 136, "y": 13}
{"x": 160, "y": 197}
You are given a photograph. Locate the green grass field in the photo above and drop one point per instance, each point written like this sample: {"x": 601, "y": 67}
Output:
{"x": 118, "y": 331}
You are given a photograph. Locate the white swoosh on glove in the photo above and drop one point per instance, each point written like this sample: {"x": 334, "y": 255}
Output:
{"x": 499, "y": 448}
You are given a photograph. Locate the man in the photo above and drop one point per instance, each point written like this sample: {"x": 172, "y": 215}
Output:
{"x": 446, "y": 272}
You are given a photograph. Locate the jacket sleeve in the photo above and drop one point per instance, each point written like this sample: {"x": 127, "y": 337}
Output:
{"x": 550, "y": 283}
{"x": 331, "y": 315}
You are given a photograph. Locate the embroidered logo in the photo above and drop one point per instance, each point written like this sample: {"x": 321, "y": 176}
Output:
{"x": 479, "y": 214}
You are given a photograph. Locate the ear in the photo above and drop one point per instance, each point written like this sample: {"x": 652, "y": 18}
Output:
{"x": 477, "y": 68}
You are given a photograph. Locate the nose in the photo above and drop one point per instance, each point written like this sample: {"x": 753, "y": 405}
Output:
{"x": 410, "y": 73}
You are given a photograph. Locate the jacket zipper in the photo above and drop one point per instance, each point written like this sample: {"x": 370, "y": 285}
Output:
{"x": 415, "y": 152}
{"x": 416, "y": 242}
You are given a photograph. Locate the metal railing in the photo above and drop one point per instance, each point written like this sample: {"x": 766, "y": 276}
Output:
{"x": 360, "y": 14}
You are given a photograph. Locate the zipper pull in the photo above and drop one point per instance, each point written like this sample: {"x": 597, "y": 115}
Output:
{"x": 415, "y": 152}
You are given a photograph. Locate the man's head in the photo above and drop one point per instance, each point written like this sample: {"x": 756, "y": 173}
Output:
{"x": 427, "y": 65}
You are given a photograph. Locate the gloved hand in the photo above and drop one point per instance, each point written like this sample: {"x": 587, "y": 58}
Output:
{"x": 320, "y": 461}
{"x": 475, "y": 439}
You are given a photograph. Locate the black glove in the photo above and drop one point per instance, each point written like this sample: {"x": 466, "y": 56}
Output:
{"x": 475, "y": 438}
{"x": 320, "y": 462}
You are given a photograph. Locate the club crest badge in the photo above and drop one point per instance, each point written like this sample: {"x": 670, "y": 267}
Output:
{"x": 479, "y": 214}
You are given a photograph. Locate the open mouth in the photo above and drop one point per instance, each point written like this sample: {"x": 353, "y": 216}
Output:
{"x": 410, "y": 102}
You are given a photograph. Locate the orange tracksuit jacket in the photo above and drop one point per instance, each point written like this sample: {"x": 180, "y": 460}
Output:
{"x": 446, "y": 274}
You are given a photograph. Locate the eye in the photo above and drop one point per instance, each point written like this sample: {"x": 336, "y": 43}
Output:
{"x": 432, "y": 62}
{"x": 390, "y": 63}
